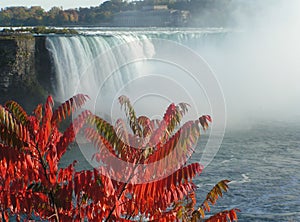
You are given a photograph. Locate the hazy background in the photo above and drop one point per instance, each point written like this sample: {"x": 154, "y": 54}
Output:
{"x": 258, "y": 66}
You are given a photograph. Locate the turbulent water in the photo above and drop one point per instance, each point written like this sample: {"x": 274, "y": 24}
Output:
{"x": 262, "y": 160}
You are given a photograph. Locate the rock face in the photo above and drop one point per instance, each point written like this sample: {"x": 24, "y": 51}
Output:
{"x": 25, "y": 70}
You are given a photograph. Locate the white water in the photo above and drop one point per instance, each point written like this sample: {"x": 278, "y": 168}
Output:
{"x": 106, "y": 64}
{"x": 77, "y": 67}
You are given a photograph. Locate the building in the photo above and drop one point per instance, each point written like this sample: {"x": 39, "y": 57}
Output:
{"x": 154, "y": 16}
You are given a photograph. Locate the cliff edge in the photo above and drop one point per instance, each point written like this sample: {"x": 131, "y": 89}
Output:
{"x": 25, "y": 69}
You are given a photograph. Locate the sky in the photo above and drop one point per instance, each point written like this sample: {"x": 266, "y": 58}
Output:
{"x": 66, "y": 4}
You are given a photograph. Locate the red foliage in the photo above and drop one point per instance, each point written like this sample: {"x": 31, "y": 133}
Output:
{"x": 33, "y": 185}
{"x": 30, "y": 150}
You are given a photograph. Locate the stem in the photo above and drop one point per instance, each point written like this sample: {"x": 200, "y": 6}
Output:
{"x": 50, "y": 194}
{"x": 54, "y": 205}
{"x": 114, "y": 207}
{"x": 124, "y": 187}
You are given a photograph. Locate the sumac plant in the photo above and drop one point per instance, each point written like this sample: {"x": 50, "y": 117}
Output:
{"x": 140, "y": 168}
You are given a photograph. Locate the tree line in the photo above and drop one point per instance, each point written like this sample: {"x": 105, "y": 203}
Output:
{"x": 201, "y": 11}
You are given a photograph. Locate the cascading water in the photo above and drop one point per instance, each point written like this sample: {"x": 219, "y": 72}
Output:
{"x": 107, "y": 64}
{"x": 85, "y": 62}
{"x": 76, "y": 60}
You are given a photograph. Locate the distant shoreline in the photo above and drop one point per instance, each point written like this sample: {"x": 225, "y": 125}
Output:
{"x": 217, "y": 13}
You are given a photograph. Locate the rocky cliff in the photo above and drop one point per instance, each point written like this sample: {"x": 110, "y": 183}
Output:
{"x": 25, "y": 69}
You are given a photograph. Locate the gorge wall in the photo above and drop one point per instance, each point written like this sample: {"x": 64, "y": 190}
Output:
{"x": 25, "y": 69}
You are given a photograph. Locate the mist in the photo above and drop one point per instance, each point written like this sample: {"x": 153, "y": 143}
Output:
{"x": 258, "y": 64}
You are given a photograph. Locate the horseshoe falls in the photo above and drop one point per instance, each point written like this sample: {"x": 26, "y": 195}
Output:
{"x": 100, "y": 63}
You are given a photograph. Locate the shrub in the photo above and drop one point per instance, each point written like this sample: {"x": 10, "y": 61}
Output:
{"x": 32, "y": 185}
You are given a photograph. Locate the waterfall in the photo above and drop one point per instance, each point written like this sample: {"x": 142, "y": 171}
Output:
{"x": 102, "y": 64}
{"x": 79, "y": 66}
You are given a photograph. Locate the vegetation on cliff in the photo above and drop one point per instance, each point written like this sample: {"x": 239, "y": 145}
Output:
{"x": 38, "y": 30}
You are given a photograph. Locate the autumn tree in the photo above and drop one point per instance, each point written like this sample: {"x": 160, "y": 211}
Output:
{"x": 147, "y": 160}
{"x": 142, "y": 171}
{"x": 31, "y": 146}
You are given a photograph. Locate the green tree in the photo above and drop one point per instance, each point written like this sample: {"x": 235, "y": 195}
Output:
{"x": 6, "y": 17}
{"x": 37, "y": 15}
